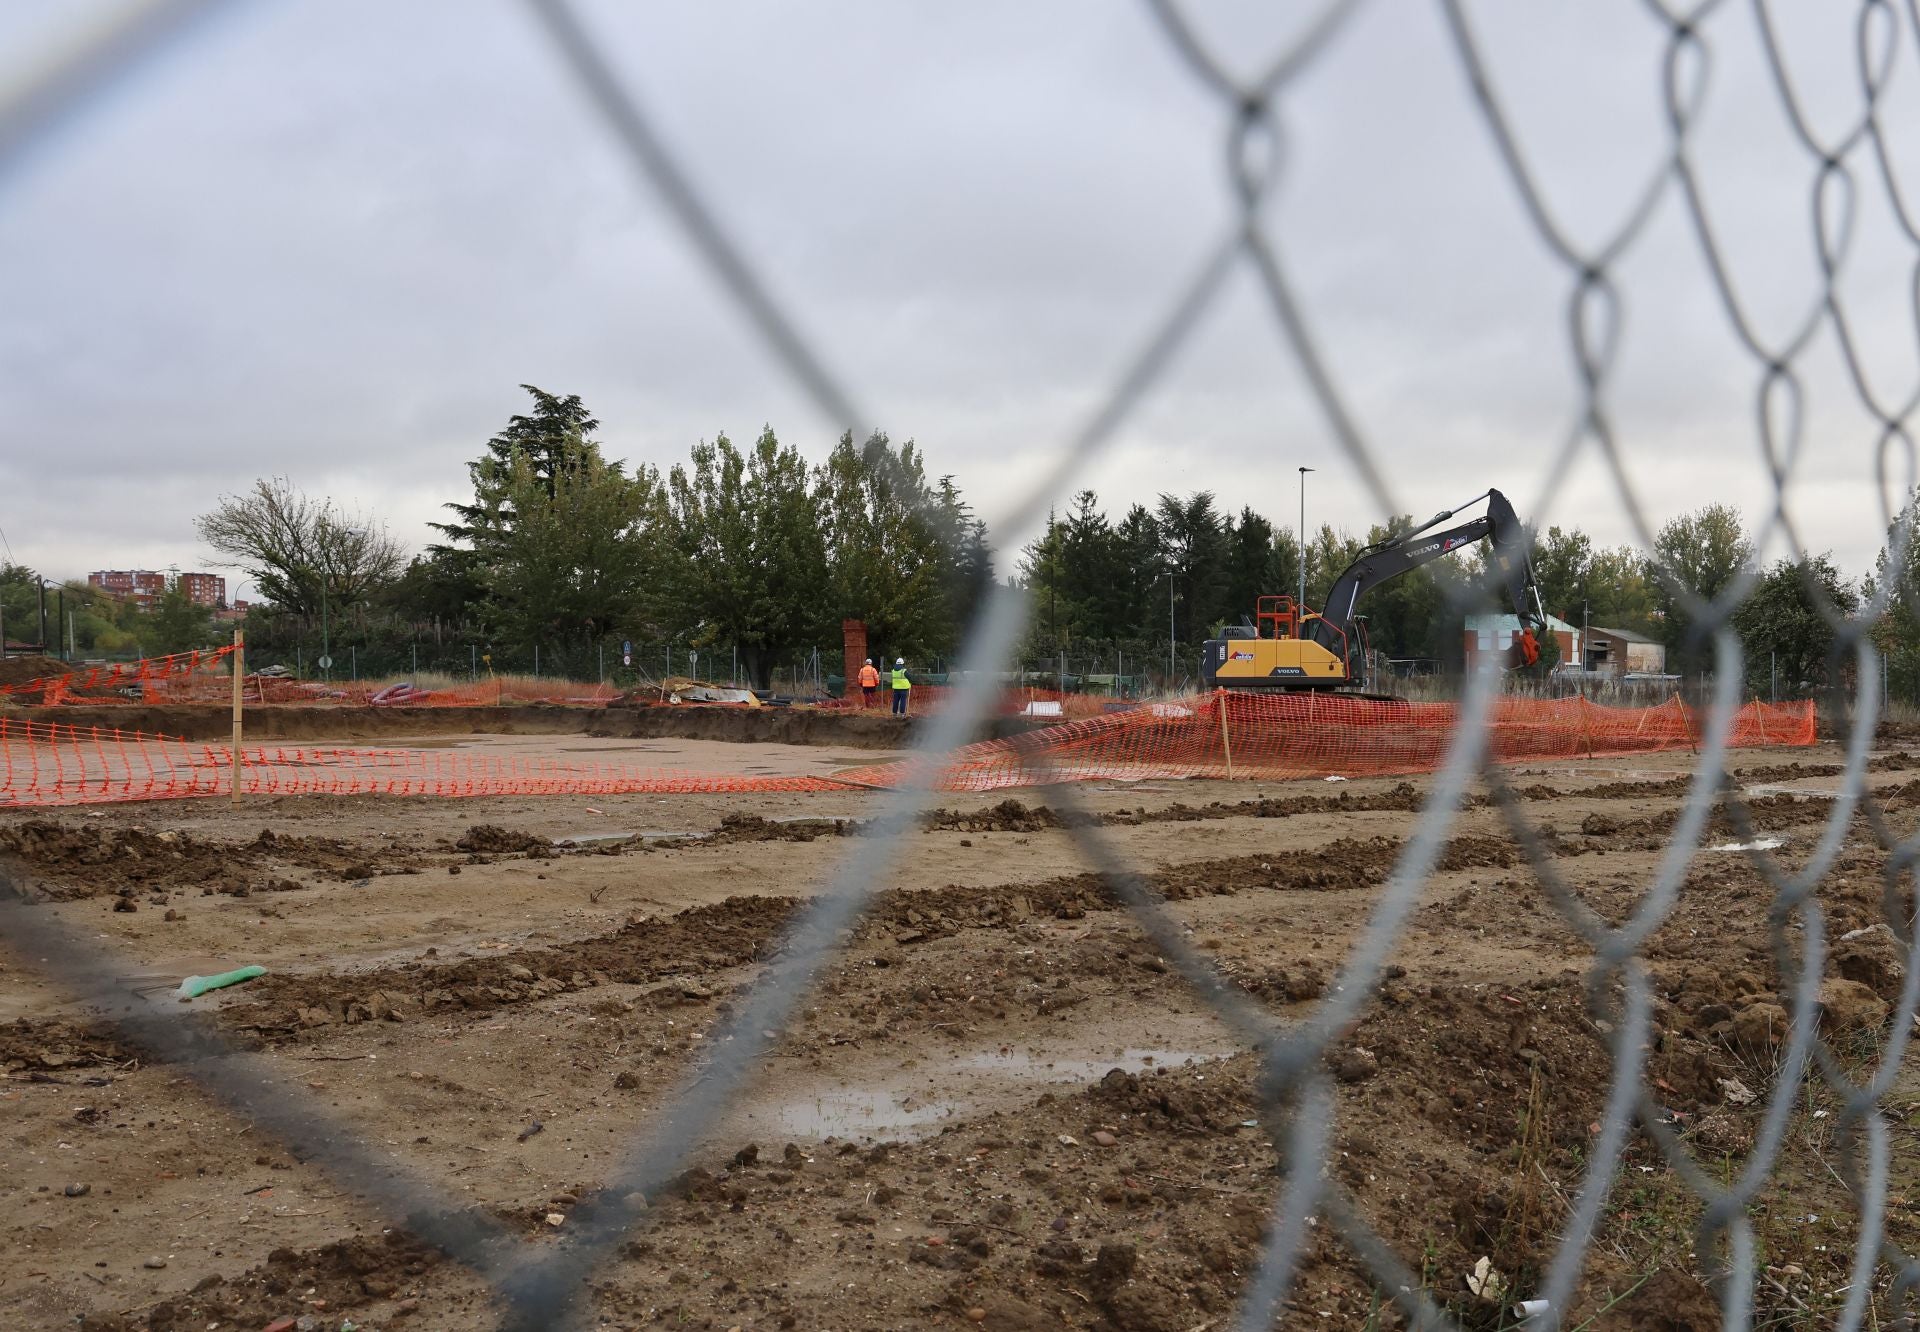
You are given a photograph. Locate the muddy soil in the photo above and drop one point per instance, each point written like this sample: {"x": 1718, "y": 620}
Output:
{"x": 1000, "y": 1105}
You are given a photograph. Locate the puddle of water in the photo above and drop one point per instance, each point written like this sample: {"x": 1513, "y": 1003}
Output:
{"x": 1766, "y": 788}
{"x": 1763, "y": 844}
{"x": 1060, "y": 1068}
{"x": 984, "y": 1080}
{"x": 857, "y": 1112}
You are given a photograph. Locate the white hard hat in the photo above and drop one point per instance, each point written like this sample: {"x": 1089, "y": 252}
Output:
{"x": 899, "y": 661}
{"x": 869, "y": 661}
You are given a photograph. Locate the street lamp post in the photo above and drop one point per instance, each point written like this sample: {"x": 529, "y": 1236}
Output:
{"x": 1303, "y": 538}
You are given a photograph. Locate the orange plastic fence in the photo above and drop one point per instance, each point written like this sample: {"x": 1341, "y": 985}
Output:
{"x": 1278, "y": 736}
{"x": 148, "y": 672}
{"x": 48, "y": 763}
{"x": 1216, "y": 736}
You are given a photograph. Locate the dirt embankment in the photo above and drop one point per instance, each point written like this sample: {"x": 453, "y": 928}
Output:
{"x": 19, "y": 670}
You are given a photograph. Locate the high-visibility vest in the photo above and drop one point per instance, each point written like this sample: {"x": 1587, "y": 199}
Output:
{"x": 869, "y": 678}
{"x": 900, "y": 680}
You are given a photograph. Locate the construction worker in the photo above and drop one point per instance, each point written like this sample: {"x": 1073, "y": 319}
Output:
{"x": 869, "y": 683}
{"x": 902, "y": 686}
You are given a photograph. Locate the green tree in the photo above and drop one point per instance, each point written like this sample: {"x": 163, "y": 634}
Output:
{"x": 1620, "y": 594}
{"x": 1780, "y": 625}
{"x": 20, "y": 603}
{"x": 545, "y": 440}
{"x": 177, "y": 623}
{"x": 1328, "y": 555}
{"x": 1563, "y": 568}
{"x": 566, "y": 556}
{"x": 905, "y": 556}
{"x": 1703, "y": 551}
{"x": 752, "y": 556}
{"x": 1194, "y": 551}
{"x": 1250, "y": 564}
{"x": 1897, "y": 634}
{"x": 1145, "y": 574}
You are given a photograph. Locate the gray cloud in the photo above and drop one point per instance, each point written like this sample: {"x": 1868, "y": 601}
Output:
{"x": 327, "y": 241}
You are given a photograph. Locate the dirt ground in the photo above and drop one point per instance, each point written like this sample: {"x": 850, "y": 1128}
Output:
{"x": 999, "y": 1107}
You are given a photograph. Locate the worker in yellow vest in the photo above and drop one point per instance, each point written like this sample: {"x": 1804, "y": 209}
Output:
{"x": 869, "y": 683}
{"x": 902, "y": 686}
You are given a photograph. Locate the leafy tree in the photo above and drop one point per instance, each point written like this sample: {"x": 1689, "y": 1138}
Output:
{"x": 177, "y": 623}
{"x": 565, "y": 555}
{"x": 1328, "y": 555}
{"x": 20, "y": 603}
{"x": 440, "y": 584}
{"x": 1704, "y": 551}
{"x": 1563, "y": 567}
{"x": 1193, "y": 545}
{"x": 547, "y": 440}
{"x": 1620, "y": 593}
{"x": 298, "y": 551}
{"x": 904, "y": 556}
{"x": 1780, "y": 623}
{"x": 1897, "y": 634}
{"x": 752, "y": 556}
{"x": 1145, "y": 574}
{"x": 1250, "y": 563}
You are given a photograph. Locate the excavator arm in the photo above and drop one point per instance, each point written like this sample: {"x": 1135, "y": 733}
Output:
{"x": 1333, "y": 629}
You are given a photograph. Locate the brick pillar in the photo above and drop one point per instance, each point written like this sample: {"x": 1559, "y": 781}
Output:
{"x": 853, "y": 634}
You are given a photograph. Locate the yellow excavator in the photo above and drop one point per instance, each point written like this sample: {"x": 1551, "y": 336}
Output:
{"x": 1287, "y": 646}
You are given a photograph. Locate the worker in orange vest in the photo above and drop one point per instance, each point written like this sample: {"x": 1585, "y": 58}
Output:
{"x": 869, "y": 682}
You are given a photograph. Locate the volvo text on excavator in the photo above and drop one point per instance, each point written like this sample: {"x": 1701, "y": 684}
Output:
{"x": 1290, "y": 647}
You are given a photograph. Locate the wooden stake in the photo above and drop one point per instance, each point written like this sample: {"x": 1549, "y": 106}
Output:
{"x": 239, "y": 674}
{"x": 1226, "y": 740}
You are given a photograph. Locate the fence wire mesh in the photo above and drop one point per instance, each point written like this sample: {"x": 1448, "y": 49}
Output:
{"x": 547, "y": 1286}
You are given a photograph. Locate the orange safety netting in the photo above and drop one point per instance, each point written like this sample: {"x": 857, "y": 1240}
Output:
{"x": 1243, "y": 735}
{"x": 149, "y": 673}
{"x": 48, "y": 763}
{"x": 1223, "y": 735}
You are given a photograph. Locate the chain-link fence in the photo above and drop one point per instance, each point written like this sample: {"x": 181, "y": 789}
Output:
{"x": 543, "y": 1287}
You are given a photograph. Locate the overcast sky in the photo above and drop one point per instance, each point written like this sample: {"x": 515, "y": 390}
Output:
{"x": 327, "y": 241}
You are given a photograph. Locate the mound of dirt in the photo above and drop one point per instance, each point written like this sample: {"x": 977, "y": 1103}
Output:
{"x": 753, "y": 828}
{"x": 19, "y": 670}
{"x": 1007, "y": 816}
{"x": 67, "y": 861}
{"x": 492, "y": 839}
{"x": 50, "y": 1045}
{"x": 347, "y": 1275}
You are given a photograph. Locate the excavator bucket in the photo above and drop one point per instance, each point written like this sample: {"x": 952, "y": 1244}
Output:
{"x": 1525, "y": 651}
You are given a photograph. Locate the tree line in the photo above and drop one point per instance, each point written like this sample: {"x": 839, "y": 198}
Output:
{"x": 743, "y": 552}
{"x": 747, "y": 552}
